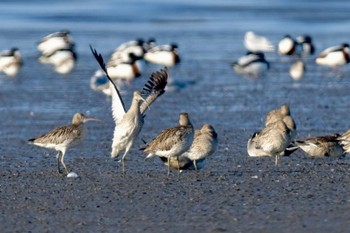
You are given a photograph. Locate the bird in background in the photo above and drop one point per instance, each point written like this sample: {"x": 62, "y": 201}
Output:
{"x": 334, "y": 56}
{"x": 58, "y": 49}
{"x": 257, "y": 43}
{"x": 253, "y": 64}
{"x": 55, "y": 41}
{"x": 128, "y": 123}
{"x": 166, "y": 55}
{"x": 10, "y": 61}
{"x": 63, "y": 138}
{"x": 297, "y": 70}
{"x": 172, "y": 142}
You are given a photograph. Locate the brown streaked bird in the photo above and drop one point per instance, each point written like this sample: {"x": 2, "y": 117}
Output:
{"x": 345, "y": 141}
{"x": 179, "y": 163}
{"x": 204, "y": 144}
{"x": 128, "y": 123}
{"x": 322, "y": 146}
{"x": 64, "y": 137}
{"x": 172, "y": 142}
{"x": 273, "y": 140}
{"x": 277, "y": 114}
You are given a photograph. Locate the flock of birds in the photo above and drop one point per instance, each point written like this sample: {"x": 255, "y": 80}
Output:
{"x": 254, "y": 63}
{"x": 179, "y": 147}
{"x": 277, "y": 139}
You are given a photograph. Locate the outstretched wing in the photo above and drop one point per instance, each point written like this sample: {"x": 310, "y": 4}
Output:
{"x": 154, "y": 88}
{"x": 118, "y": 107}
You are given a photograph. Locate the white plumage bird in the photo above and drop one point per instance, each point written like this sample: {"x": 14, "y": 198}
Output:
{"x": 128, "y": 123}
{"x": 257, "y": 43}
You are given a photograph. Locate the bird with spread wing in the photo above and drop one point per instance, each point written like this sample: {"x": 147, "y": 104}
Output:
{"x": 128, "y": 123}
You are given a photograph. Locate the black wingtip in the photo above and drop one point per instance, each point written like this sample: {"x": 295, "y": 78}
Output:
{"x": 100, "y": 60}
{"x": 157, "y": 82}
{"x": 31, "y": 140}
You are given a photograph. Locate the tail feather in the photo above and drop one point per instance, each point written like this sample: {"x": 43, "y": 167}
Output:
{"x": 31, "y": 141}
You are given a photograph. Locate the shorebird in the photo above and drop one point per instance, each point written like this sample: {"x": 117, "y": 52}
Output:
{"x": 204, "y": 144}
{"x": 287, "y": 46}
{"x": 172, "y": 142}
{"x": 323, "y": 146}
{"x": 55, "y": 41}
{"x": 63, "y": 60}
{"x": 297, "y": 70}
{"x": 334, "y": 56}
{"x": 251, "y": 64}
{"x": 128, "y": 124}
{"x": 277, "y": 114}
{"x": 257, "y": 43}
{"x": 166, "y": 55}
{"x": 127, "y": 70}
{"x": 10, "y": 61}
{"x": 275, "y": 139}
{"x": 121, "y": 53}
{"x": 63, "y": 138}
{"x": 306, "y": 46}
{"x": 345, "y": 141}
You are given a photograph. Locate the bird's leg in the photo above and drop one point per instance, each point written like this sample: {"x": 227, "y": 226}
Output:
{"x": 178, "y": 164}
{"x": 62, "y": 161}
{"x": 124, "y": 155}
{"x": 277, "y": 157}
{"x": 58, "y": 157}
{"x": 195, "y": 164}
{"x": 168, "y": 166}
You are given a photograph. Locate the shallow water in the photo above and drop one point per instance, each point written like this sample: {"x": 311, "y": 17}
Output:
{"x": 210, "y": 37}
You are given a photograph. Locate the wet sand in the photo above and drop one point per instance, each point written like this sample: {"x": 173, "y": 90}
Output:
{"x": 233, "y": 193}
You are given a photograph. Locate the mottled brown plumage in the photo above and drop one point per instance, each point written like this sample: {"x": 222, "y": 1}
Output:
{"x": 64, "y": 137}
{"x": 172, "y": 142}
{"x": 322, "y": 146}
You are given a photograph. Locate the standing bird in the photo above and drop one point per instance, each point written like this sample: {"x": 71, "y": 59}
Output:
{"x": 251, "y": 64}
{"x": 166, "y": 55}
{"x": 172, "y": 142}
{"x": 204, "y": 144}
{"x": 287, "y": 46}
{"x": 64, "y": 137}
{"x": 257, "y": 43}
{"x": 323, "y": 146}
{"x": 305, "y": 45}
{"x": 334, "y": 56}
{"x": 128, "y": 124}
{"x": 297, "y": 70}
{"x": 10, "y": 61}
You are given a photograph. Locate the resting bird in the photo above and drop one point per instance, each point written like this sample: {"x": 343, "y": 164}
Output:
{"x": 172, "y": 142}
{"x": 334, "y": 56}
{"x": 251, "y": 64}
{"x": 257, "y": 43}
{"x": 10, "y": 61}
{"x": 55, "y": 41}
{"x": 322, "y": 146}
{"x": 63, "y": 138}
{"x": 128, "y": 123}
{"x": 166, "y": 55}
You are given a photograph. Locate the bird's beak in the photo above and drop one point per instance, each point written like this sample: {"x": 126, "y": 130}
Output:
{"x": 91, "y": 119}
